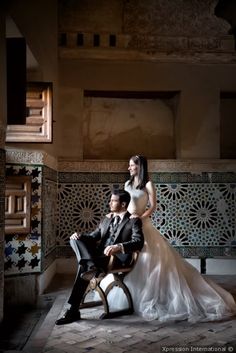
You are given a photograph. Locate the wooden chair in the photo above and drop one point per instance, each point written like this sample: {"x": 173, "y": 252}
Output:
{"x": 95, "y": 284}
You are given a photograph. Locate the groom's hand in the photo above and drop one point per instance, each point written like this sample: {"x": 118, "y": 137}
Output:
{"x": 75, "y": 236}
{"x": 112, "y": 249}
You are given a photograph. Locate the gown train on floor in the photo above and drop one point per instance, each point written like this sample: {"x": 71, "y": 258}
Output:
{"x": 164, "y": 285}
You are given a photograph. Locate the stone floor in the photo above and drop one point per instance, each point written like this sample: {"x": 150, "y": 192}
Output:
{"x": 127, "y": 334}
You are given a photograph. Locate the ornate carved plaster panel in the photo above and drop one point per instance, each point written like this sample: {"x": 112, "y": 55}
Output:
{"x": 191, "y": 18}
{"x": 162, "y": 30}
{"x": 30, "y": 157}
{"x": 23, "y": 156}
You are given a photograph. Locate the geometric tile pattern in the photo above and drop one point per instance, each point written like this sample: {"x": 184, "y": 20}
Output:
{"x": 23, "y": 251}
{"x": 81, "y": 207}
{"x": 195, "y": 213}
{"x": 49, "y": 216}
{"x": 27, "y": 252}
{"x": 197, "y": 216}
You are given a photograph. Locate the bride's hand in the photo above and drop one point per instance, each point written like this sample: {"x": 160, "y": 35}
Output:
{"x": 134, "y": 215}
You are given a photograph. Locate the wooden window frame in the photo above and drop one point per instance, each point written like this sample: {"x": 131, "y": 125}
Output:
{"x": 38, "y": 127}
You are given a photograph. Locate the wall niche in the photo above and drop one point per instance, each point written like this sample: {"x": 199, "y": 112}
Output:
{"x": 119, "y": 124}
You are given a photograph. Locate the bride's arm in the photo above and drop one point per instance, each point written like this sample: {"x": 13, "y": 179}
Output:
{"x": 151, "y": 198}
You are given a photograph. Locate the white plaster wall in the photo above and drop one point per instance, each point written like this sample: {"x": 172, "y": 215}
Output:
{"x": 45, "y": 278}
{"x": 197, "y": 123}
{"x": 66, "y": 266}
{"x": 221, "y": 266}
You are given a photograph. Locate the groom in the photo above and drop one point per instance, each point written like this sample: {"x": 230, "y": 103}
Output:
{"x": 117, "y": 235}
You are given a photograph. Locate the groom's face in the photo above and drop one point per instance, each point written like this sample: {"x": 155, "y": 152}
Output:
{"x": 115, "y": 205}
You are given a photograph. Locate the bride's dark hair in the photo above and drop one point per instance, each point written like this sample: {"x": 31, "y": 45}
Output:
{"x": 143, "y": 177}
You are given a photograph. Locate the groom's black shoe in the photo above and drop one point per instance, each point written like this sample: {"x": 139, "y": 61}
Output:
{"x": 68, "y": 317}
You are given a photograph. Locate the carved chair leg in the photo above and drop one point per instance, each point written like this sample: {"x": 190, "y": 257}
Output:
{"x": 95, "y": 285}
{"x": 118, "y": 275}
{"x": 118, "y": 281}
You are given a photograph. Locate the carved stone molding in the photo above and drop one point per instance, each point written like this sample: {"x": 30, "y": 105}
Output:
{"x": 177, "y": 18}
{"x": 30, "y": 157}
{"x": 50, "y": 161}
{"x": 191, "y": 166}
{"x": 23, "y": 156}
{"x": 120, "y": 166}
{"x": 156, "y": 55}
{"x": 92, "y": 166}
{"x": 157, "y": 30}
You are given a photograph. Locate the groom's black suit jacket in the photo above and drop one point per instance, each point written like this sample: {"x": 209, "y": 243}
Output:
{"x": 129, "y": 233}
{"x": 91, "y": 247}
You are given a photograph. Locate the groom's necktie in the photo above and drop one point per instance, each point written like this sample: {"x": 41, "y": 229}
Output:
{"x": 113, "y": 228}
{"x": 115, "y": 223}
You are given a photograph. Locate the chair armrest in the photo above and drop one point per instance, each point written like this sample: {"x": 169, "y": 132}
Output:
{"x": 113, "y": 267}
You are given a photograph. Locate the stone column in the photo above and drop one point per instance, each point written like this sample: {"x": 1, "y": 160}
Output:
{"x": 70, "y": 123}
{"x": 2, "y": 150}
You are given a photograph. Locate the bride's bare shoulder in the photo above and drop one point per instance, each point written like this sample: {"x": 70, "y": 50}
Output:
{"x": 149, "y": 184}
{"x": 150, "y": 187}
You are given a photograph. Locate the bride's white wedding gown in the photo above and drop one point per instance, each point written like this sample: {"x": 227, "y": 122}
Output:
{"x": 165, "y": 286}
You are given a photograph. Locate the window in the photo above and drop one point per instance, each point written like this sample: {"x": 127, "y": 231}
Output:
{"x": 38, "y": 127}
{"x": 112, "y": 40}
{"x": 96, "y": 40}
{"x": 80, "y": 39}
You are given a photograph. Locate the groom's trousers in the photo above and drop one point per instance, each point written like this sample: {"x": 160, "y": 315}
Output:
{"x": 88, "y": 255}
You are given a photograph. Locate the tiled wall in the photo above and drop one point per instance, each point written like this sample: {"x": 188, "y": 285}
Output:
{"x": 33, "y": 252}
{"x": 49, "y": 216}
{"x": 196, "y": 212}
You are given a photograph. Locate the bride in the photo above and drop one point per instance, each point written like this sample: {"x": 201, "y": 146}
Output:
{"x": 164, "y": 285}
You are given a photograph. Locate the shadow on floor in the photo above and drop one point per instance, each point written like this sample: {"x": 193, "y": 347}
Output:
{"x": 20, "y": 323}
{"x": 23, "y": 326}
